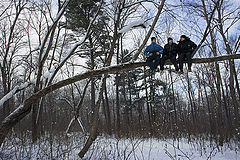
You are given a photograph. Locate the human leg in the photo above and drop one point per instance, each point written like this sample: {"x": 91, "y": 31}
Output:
{"x": 189, "y": 61}
{"x": 161, "y": 62}
{"x": 174, "y": 62}
{"x": 150, "y": 62}
{"x": 181, "y": 59}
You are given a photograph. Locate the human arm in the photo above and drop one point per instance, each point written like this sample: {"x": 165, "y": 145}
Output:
{"x": 160, "y": 49}
{"x": 179, "y": 48}
{"x": 165, "y": 50}
{"x": 146, "y": 52}
{"x": 193, "y": 45}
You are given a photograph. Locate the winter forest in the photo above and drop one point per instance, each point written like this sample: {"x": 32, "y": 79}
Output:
{"x": 74, "y": 82}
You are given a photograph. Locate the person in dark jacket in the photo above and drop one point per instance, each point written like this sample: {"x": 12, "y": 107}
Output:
{"x": 185, "y": 49}
{"x": 153, "y": 53}
{"x": 170, "y": 52}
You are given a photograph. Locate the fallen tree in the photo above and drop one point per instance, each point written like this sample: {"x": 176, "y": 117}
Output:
{"x": 24, "y": 109}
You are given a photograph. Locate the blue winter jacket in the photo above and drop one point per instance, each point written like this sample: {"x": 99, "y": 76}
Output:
{"x": 153, "y": 48}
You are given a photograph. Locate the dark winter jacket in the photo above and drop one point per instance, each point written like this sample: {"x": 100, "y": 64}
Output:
{"x": 186, "y": 46}
{"x": 170, "y": 49}
{"x": 153, "y": 48}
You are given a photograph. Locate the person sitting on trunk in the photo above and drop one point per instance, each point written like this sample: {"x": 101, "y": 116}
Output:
{"x": 170, "y": 52}
{"x": 185, "y": 49}
{"x": 153, "y": 53}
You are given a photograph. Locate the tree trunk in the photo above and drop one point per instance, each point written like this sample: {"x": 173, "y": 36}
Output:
{"x": 92, "y": 68}
{"x": 117, "y": 94}
{"x": 108, "y": 113}
{"x": 233, "y": 92}
{"x": 147, "y": 99}
{"x": 174, "y": 103}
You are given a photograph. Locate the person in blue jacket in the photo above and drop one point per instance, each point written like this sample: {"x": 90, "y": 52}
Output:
{"x": 153, "y": 53}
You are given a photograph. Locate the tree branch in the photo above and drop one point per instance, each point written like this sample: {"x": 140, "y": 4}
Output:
{"x": 150, "y": 30}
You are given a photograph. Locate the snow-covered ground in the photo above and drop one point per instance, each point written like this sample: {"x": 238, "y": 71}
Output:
{"x": 119, "y": 149}
{"x": 153, "y": 149}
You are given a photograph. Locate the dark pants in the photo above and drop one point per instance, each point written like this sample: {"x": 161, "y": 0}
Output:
{"x": 185, "y": 56}
{"x": 153, "y": 61}
{"x": 173, "y": 60}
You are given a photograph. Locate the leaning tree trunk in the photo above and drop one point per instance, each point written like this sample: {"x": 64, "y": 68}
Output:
{"x": 24, "y": 109}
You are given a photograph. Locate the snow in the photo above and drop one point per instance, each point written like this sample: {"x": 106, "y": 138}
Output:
{"x": 48, "y": 74}
{"x": 71, "y": 51}
{"x": 13, "y": 113}
{"x": 13, "y": 91}
{"x": 66, "y": 2}
{"x": 166, "y": 149}
{"x": 45, "y": 52}
{"x": 56, "y": 19}
{"x": 114, "y": 148}
{"x": 137, "y": 23}
{"x": 69, "y": 54}
{"x": 100, "y": 88}
{"x": 7, "y": 96}
{"x": 81, "y": 124}
{"x": 69, "y": 125}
